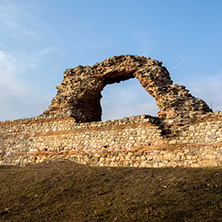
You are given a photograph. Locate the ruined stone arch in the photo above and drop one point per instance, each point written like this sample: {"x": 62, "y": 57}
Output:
{"x": 79, "y": 94}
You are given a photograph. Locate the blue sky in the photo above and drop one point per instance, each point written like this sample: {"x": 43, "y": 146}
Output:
{"x": 40, "y": 39}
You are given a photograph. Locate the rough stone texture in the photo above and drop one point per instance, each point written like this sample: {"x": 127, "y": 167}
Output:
{"x": 79, "y": 94}
{"x": 139, "y": 141}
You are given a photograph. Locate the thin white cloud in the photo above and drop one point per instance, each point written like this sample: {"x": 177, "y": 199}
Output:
{"x": 17, "y": 97}
{"x": 178, "y": 64}
{"x": 48, "y": 50}
{"x": 14, "y": 18}
{"x": 8, "y": 81}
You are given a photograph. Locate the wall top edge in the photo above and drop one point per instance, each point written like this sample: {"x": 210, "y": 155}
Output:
{"x": 41, "y": 119}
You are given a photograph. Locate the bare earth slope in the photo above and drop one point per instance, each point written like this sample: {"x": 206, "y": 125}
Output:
{"x": 64, "y": 191}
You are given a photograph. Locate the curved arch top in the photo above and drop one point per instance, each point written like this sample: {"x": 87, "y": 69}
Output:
{"x": 79, "y": 94}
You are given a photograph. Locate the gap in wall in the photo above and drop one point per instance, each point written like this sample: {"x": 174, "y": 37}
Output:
{"x": 127, "y": 98}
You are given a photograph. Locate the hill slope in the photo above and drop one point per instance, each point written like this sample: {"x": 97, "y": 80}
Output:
{"x": 64, "y": 191}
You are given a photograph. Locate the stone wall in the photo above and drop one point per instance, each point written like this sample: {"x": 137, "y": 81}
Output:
{"x": 141, "y": 141}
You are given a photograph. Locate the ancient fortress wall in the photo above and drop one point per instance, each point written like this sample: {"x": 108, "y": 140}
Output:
{"x": 185, "y": 133}
{"x": 140, "y": 141}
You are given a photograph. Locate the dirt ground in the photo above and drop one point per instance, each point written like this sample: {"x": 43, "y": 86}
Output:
{"x": 65, "y": 191}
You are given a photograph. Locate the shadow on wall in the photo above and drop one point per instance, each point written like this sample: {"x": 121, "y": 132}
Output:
{"x": 127, "y": 98}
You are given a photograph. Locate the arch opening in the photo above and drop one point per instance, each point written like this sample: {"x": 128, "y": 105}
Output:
{"x": 127, "y": 98}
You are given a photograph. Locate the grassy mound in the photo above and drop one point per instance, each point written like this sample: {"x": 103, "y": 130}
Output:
{"x": 64, "y": 191}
